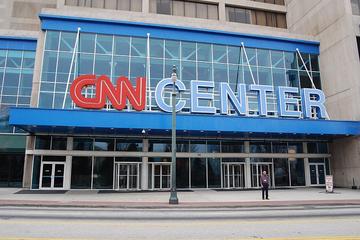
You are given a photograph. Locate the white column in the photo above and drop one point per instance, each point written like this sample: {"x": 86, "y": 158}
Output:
{"x": 145, "y": 167}
{"x": 68, "y": 164}
{"x": 247, "y": 166}
{"x": 306, "y": 166}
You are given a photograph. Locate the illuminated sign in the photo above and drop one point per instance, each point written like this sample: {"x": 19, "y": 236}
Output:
{"x": 124, "y": 91}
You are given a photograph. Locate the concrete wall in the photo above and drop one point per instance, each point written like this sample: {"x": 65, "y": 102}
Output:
{"x": 331, "y": 22}
{"x": 22, "y": 14}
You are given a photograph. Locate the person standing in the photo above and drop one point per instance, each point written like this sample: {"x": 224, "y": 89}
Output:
{"x": 264, "y": 180}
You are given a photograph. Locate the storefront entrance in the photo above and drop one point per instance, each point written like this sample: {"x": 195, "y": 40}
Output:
{"x": 52, "y": 175}
{"x": 317, "y": 173}
{"x": 160, "y": 174}
{"x": 256, "y": 170}
{"x": 127, "y": 176}
{"x": 233, "y": 175}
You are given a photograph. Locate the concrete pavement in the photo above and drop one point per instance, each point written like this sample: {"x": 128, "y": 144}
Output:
{"x": 187, "y": 199}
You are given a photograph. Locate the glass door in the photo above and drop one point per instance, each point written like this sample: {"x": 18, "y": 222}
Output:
{"x": 160, "y": 175}
{"x": 127, "y": 176}
{"x": 52, "y": 175}
{"x": 233, "y": 175}
{"x": 317, "y": 174}
{"x": 256, "y": 170}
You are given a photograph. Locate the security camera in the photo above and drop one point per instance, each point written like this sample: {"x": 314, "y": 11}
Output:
{"x": 143, "y": 131}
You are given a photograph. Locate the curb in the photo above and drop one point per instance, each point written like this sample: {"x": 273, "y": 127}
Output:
{"x": 181, "y": 205}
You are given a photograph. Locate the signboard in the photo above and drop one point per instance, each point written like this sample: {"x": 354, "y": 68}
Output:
{"x": 199, "y": 91}
{"x": 329, "y": 183}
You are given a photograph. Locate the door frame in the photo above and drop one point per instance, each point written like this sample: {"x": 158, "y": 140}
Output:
{"x": 270, "y": 174}
{"x": 53, "y": 163}
{"x": 317, "y": 173}
{"x": 152, "y": 174}
{"x": 116, "y": 174}
{"x": 227, "y": 169}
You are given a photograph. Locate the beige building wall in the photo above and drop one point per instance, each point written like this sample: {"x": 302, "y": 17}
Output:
{"x": 22, "y": 14}
{"x": 332, "y": 23}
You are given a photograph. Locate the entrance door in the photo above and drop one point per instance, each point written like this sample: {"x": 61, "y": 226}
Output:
{"x": 256, "y": 170}
{"x": 161, "y": 175}
{"x": 127, "y": 176}
{"x": 52, "y": 175}
{"x": 317, "y": 173}
{"x": 233, "y": 175}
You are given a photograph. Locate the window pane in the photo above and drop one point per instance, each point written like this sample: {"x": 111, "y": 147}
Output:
{"x": 263, "y": 57}
{"x": 67, "y": 41}
{"x": 14, "y": 59}
{"x": 277, "y": 59}
{"x": 214, "y": 173}
{"x": 103, "y": 144}
{"x": 198, "y": 172}
{"x": 297, "y": 172}
{"x": 182, "y": 172}
{"x": 87, "y": 42}
{"x": 52, "y": 40}
{"x": 172, "y": 49}
{"x": 29, "y": 59}
{"x": 102, "y": 65}
{"x": 81, "y": 172}
{"x": 122, "y": 45}
{"x": 138, "y": 47}
{"x": 290, "y": 60}
{"x": 163, "y": 7}
{"x": 292, "y": 78}
{"x": 220, "y": 53}
{"x": 279, "y": 77}
{"x": 104, "y": 44}
{"x": 157, "y": 48}
{"x": 83, "y": 144}
{"x": 281, "y": 172}
{"x": 103, "y": 172}
{"x": 188, "y": 50}
{"x": 120, "y": 66}
{"x": 204, "y": 52}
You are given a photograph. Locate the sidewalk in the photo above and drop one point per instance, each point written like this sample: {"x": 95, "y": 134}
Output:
{"x": 187, "y": 199}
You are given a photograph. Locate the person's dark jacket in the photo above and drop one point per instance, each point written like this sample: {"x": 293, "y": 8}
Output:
{"x": 264, "y": 180}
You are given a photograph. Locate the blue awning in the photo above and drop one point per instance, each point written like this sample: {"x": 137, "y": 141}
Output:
{"x": 37, "y": 120}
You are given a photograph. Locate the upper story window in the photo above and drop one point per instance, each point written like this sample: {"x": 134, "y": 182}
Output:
{"x": 355, "y": 5}
{"x": 127, "y": 5}
{"x": 185, "y": 8}
{"x": 278, "y": 2}
{"x": 257, "y": 17}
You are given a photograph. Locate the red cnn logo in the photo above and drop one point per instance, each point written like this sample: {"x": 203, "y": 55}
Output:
{"x": 105, "y": 89}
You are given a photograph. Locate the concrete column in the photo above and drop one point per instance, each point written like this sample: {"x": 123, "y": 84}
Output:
{"x": 247, "y": 166}
{"x": 222, "y": 12}
{"x": 145, "y": 6}
{"x": 28, "y": 162}
{"x": 306, "y": 166}
{"x": 68, "y": 164}
{"x": 145, "y": 167}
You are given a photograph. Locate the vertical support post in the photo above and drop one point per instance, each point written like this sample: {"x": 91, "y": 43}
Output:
{"x": 145, "y": 167}
{"x": 247, "y": 166}
{"x": 148, "y": 69}
{"x": 173, "y": 194}
{"x": 306, "y": 166}
{"x": 68, "y": 164}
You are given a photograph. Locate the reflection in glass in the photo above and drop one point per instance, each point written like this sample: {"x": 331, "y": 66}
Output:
{"x": 103, "y": 173}
{"x": 297, "y": 172}
{"x": 281, "y": 172}
{"x": 198, "y": 172}
{"x": 81, "y": 172}
{"x": 214, "y": 173}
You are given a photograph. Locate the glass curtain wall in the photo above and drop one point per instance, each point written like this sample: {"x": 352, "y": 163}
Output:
{"x": 16, "y": 73}
{"x": 115, "y": 56}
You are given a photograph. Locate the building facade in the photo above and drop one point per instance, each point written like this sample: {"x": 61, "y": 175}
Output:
{"x": 90, "y": 91}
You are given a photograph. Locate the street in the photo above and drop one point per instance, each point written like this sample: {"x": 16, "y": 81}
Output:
{"x": 310, "y": 222}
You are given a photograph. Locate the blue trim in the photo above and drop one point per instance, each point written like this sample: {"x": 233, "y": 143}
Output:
{"x": 115, "y": 122}
{"x": 17, "y": 43}
{"x": 91, "y": 25}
